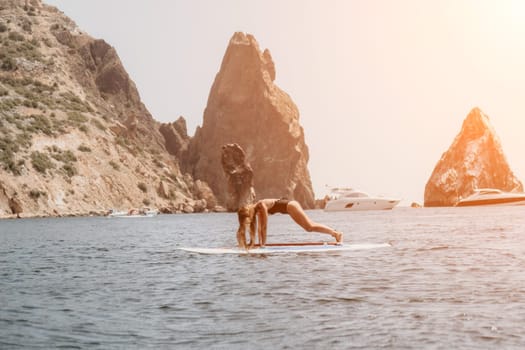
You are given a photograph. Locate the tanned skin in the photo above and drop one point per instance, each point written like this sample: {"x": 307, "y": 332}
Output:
{"x": 249, "y": 215}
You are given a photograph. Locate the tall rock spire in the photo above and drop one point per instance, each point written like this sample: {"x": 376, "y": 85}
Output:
{"x": 474, "y": 160}
{"x": 247, "y": 108}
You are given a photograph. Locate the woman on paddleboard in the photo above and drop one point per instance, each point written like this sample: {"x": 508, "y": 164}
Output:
{"x": 248, "y": 215}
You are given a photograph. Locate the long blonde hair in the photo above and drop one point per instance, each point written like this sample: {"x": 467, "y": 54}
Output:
{"x": 246, "y": 216}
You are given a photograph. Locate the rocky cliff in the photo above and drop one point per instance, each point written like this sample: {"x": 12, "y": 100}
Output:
{"x": 75, "y": 137}
{"x": 474, "y": 160}
{"x": 246, "y": 107}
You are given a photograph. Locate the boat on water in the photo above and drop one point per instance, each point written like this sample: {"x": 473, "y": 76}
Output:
{"x": 492, "y": 196}
{"x": 133, "y": 213}
{"x": 346, "y": 199}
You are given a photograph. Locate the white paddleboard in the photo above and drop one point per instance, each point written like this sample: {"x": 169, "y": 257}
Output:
{"x": 289, "y": 248}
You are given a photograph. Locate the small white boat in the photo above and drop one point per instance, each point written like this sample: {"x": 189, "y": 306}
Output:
{"x": 492, "y": 196}
{"x": 133, "y": 213}
{"x": 343, "y": 199}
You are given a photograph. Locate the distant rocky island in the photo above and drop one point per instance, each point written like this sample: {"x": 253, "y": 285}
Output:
{"x": 474, "y": 160}
{"x": 75, "y": 138}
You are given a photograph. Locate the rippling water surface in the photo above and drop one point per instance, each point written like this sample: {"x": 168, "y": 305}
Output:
{"x": 453, "y": 278}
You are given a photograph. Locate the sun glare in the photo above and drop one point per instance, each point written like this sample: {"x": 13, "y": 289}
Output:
{"x": 505, "y": 16}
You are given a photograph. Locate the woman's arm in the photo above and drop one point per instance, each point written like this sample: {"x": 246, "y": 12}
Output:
{"x": 262, "y": 216}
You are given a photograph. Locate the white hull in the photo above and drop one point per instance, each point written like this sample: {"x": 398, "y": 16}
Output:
{"x": 361, "y": 204}
{"x": 133, "y": 216}
{"x": 124, "y": 214}
{"x": 478, "y": 203}
{"x": 492, "y": 197}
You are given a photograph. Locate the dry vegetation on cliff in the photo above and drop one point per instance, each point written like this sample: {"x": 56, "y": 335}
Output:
{"x": 74, "y": 135}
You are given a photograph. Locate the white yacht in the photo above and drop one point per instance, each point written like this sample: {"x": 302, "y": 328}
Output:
{"x": 492, "y": 196}
{"x": 342, "y": 199}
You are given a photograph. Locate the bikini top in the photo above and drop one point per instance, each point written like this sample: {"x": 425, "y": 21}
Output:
{"x": 279, "y": 206}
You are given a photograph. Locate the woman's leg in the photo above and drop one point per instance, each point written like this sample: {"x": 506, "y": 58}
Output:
{"x": 299, "y": 216}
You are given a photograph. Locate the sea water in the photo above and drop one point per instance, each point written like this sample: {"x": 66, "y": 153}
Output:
{"x": 454, "y": 278}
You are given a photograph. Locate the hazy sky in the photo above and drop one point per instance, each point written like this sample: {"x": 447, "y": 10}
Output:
{"x": 382, "y": 86}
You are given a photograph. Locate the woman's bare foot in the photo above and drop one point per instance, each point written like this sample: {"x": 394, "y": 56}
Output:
{"x": 338, "y": 237}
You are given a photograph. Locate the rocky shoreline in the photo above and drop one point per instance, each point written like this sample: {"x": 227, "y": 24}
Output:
{"x": 162, "y": 211}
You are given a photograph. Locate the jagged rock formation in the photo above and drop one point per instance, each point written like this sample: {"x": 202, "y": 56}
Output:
{"x": 474, "y": 160}
{"x": 176, "y": 136}
{"x": 75, "y": 137}
{"x": 247, "y": 108}
{"x": 240, "y": 177}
